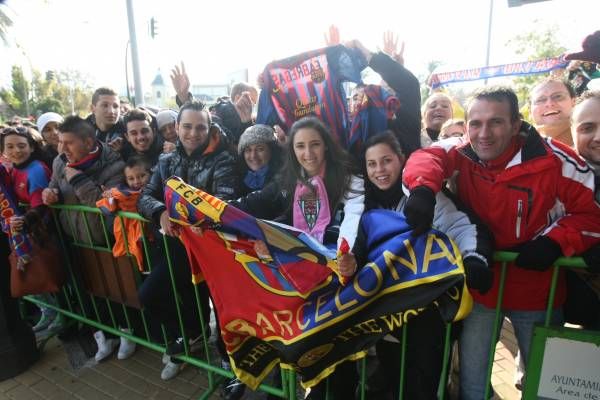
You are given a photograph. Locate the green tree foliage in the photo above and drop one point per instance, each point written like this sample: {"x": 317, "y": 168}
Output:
{"x": 425, "y": 89}
{"x": 63, "y": 92}
{"x": 534, "y": 45}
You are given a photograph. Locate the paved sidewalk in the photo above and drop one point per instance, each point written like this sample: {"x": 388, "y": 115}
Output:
{"x": 52, "y": 377}
{"x": 504, "y": 365}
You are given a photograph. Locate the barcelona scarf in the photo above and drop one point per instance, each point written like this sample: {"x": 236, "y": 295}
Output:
{"x": 291, "y": 308}
{"x": 370, "y": 116}
{"x": 19, "y": 241}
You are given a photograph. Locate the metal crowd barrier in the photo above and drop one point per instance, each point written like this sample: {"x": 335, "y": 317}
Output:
{"x": 97, "y": 279}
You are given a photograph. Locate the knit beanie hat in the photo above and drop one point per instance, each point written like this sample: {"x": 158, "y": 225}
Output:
{"x": 254, "y": 135}
{"x": 165, "y": 117}
{"x": 48, "y": 117}
{"x": 591, "y": 49}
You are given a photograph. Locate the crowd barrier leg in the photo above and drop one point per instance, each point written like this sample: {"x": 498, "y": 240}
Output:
{"x": 495, "y": 331}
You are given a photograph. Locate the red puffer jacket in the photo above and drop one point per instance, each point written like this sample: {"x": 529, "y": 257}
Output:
{"x": 537, "y": 187}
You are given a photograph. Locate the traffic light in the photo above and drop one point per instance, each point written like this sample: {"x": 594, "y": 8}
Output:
{"x": 50, "y": 75}
{"x": 153, "y": 27}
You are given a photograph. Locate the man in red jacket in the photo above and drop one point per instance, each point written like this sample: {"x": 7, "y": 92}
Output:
{"x": 537, "y": 197}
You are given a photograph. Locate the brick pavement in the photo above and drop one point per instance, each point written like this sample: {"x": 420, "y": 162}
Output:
{"x": 53, "y": 378}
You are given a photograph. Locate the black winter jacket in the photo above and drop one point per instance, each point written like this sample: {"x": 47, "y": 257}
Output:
{"x": 117, "y": 130}
{"x": 212, "y": 170}
{"x": 407, "y": 124}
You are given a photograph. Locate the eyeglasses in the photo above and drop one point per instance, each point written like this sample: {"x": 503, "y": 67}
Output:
{"x": 555, "y": 97}
{"x": 15, "y": 130}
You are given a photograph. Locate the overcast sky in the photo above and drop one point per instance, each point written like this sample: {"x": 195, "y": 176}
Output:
{"x": 216, "y": 38}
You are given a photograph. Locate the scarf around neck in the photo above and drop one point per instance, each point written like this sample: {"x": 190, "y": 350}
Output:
{"x": 255, "y": 180}
{"x": 86, "y": 161}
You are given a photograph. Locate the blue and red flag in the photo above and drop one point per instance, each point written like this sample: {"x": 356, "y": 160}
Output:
{"x": 370, "y": 116}
{"x": 310, "y": 83}
{"x": 291, "y": 308}
{"x": 19, "y": 241}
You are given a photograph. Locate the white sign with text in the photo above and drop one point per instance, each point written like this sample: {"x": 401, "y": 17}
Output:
{"x": 570, "y": 371}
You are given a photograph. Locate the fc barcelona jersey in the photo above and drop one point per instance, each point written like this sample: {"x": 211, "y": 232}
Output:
{"x": 310, "y": 84}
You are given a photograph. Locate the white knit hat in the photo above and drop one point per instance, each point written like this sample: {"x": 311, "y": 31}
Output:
{"x": 48, "y": 117}
{"x": 165, "y": 117}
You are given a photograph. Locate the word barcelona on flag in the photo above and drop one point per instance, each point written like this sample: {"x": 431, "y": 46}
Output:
{"x": 290, "y": 307}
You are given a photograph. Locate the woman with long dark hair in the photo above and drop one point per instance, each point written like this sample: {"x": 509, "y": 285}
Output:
{"x": 317, "y": 181}
{"x": 384, "y": 160}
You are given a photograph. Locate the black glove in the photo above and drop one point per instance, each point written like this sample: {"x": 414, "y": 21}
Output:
{"x": 538, "y": 254}
{"x": 479, "y": 275}
{"x": 419, "y": 209}
{"x": 592, "y": 259}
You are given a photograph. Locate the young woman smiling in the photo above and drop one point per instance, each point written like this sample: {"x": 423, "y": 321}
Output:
{"x": 315, "y": 183}
{"x": 384, "y": 160}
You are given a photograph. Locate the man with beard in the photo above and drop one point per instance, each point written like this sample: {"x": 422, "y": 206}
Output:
{"x": 141, "y": 139}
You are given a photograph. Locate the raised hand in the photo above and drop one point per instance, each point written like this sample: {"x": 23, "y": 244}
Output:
{"x": 390, "y": 47}
{"x": 334, "y": 36}
{"x": 243, "y": 106}
{"x": 181, "y": 82}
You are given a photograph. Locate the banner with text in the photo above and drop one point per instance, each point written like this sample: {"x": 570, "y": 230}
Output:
{"x": 521, "y": 68}
{"x": 289, "y": 307}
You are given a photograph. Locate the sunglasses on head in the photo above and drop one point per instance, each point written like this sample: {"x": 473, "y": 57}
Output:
{"x": 18, "y": 130}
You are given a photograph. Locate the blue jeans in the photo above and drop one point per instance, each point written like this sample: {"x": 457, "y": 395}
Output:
{"x": 475, "y": 341}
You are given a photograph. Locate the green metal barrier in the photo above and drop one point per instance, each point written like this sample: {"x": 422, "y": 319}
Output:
{"x": 83, "y": 306}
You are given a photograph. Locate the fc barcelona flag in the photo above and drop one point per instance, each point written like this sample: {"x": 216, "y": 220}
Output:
{"x": 290, "y": 308}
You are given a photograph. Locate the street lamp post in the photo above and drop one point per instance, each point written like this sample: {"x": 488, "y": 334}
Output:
{"x": 489, "y": 37}
{"x": 139, "y": 94}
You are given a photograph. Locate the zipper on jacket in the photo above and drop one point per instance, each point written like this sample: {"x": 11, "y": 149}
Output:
{"x": 519, "y": 217}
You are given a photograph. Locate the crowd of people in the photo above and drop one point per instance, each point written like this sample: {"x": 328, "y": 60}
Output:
{"x": 491, "y": 182}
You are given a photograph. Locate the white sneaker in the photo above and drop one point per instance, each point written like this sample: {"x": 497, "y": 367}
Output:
{"x": 170, "y": 371}
{"x": 165, "y": 358}
{"x": 126, "y": 347}
{"x": 105, "y": 346}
